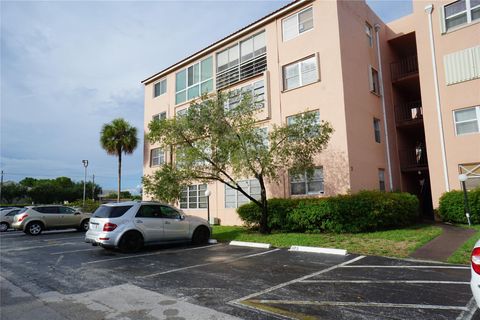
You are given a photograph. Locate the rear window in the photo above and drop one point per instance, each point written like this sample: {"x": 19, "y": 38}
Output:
{"x": 110, "y": 212}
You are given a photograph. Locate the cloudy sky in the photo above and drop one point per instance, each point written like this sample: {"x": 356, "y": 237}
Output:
{"x": 67, "y": 67}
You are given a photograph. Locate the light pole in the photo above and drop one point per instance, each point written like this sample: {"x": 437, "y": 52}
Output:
{"x": 207, "y": 194}
{"x": 463, "y": 177}
{"x": 85, "y": 164}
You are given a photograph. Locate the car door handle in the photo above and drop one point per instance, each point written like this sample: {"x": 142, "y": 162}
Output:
{"x": 167, "y": 222}
{"x": 139, "y": 221}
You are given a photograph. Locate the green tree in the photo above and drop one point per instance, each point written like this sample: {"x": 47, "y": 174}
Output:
{"x": 116, "y": 138}
{"x": 214, "y": 143}
{"x": 11, "y": 191}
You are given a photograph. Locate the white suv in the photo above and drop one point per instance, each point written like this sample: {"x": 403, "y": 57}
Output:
{"x": 130, "y": 225}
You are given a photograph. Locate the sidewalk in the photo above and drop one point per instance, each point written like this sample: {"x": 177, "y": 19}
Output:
{"x": 442, "y": 247}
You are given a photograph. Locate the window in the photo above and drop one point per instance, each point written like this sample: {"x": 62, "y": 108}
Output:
{"x": 243, "y": 60}
{"x": 467, "y": 120}
{"x": 149, "y": 211}
{"x": 193, "y": 81}
{"x": 157, "y": 157}
{"x": 300, "y": 73}
{"x": 256, "y": 91}
{"x": 460, "y": 12}
{"x": 376, "y": 129}
{"x": 66, "y": 210}
{"x": 160, "y": 88}
{"x": 234, "y": 198}
{"x": 110, "y": 212}
{"x": 170, "y": 213}
{"x": 472, "y": 171}
{"x": 12, "y": 213}
{"x": 193, "y": 197}
{"x": 373, "y": 81}
{"x": 369, "y": 32}
{"x": 296, "y": 24}
{"x": 463, "y": 65}
{"x": 305, "y": 184}
{"x": 160, "y": 116}
{"x": 381, "y": 179}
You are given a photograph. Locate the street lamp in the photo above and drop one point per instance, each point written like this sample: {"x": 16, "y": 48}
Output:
{"x": 463, "y": 177}
{"x": 85, "y": 164}
{"x": 207, "y": 194}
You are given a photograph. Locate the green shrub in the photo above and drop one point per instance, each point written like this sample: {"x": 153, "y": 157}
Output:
{"x": 451, "y": 206}
{"x": 90, "y": 205}
{"x": 363, "y": 211}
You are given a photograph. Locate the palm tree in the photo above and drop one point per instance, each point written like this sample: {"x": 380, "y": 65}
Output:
{"x": 117, "y": 137}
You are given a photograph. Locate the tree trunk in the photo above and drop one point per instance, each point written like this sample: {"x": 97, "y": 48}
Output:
{"x": 264, "y": 218}
{"x": 119, "y": 175}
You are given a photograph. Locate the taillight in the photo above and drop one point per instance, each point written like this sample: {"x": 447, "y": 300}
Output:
{"x": 109, "y": 226}
{"x": 20, "y": 219}
{"x": 475, "y": 258}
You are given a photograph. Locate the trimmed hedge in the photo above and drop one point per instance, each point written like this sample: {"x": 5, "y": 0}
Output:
{"x": 451, "y": 206}
{"x": 360, "y": 212}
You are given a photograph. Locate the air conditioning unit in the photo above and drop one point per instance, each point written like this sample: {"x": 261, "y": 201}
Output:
{"x": 214, "y": 221}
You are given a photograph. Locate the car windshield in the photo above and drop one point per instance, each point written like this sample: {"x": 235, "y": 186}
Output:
{"x": 110, "y": 212}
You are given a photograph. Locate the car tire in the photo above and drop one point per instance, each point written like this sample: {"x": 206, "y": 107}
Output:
{"x": 131, "y": 241}
{"x": 84, "y": 226}
{"x": 34, "y": 228}
{"x": 201, "y": 235}
{"x": 3, "y": 226}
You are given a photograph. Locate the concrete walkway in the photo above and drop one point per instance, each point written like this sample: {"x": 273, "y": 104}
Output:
{"x": 442, "y": 247}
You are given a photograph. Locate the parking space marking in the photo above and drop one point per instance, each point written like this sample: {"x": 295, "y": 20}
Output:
{"x": 36, "y": 247}
{"x": 362, "y": 304}
{"x": 49, "y": 239}
{"x": 387, "y": 281}
{"x": 281, "y": 285}
{"x": 406, "y": 267}
{"x": 72, "y": 251}
{"x": 468, "y": 314}
{"x": 207, "y": 264}
{"x": 147, "y": 254}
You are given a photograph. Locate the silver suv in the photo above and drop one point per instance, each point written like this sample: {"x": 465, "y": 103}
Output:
{"x": 34, "y": 219}
{"x": 130, "y": 225}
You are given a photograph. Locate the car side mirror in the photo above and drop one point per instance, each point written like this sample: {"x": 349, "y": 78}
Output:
{"x": 182, "y": 217}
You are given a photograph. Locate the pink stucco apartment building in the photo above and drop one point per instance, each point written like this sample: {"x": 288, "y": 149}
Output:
{"x": 403, "y": 97}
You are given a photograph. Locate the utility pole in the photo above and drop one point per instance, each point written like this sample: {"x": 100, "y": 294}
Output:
{"x": 1, "y": 187}
{"x": 85, "y": 165}
{"x": 93, "y": 187}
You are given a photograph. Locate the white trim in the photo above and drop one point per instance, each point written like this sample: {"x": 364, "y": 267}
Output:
{"x": 250, "y": 244}
{"x": 428, "y": 10}
{"x": 297, "y": 15}
{"x": 341, "y": 252}
{"x": 384, "y": 111}
{"x": 158, "y": 82}
{"x": 455, "y": 122}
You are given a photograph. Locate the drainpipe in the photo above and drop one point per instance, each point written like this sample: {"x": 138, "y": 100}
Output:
{"x": 380, "y": 75}
{"x": 428, "y": 10}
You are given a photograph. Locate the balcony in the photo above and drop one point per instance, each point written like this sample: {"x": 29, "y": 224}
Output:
{"x": 414, "y": 159}
{"x": 409, "y": 113}
{"x": 242, "y": 71}
{"x": 404, "y": 68}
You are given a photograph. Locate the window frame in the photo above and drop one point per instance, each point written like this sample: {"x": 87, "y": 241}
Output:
{"x": 160, "y": 157}
{"x": 369, "y": 33}
{"x": 239, "y": 194}
{"x": 159, "y": 82}
{"x": 199, "y": 83}
{"x": 382, "y": 186}
{"x": 477, "y": 114}
{"x": 198, "y": 203}
{"x": 260, "y": 104}
{"x": 297, "y": 18}
{"x": 306, "y": 182}
{"x": 160, "y": 116}
{"x": 468, "y": 11}
{"x": 298, "y": 64}
{"x": 377, "y": 130}
{"x": 371, "y": 81}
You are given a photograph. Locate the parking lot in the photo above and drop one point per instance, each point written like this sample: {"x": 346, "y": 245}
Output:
{"x": 58, "y": 276}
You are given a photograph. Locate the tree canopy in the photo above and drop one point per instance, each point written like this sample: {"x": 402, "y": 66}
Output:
{"x": 214, "y": 143}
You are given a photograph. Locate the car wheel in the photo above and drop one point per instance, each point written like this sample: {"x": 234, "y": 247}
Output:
{"x": 131, "y": 242}
{"x": 201, "y": 235}
{"x": 84, "y": 226}
{"x": 34, "y": 228}
{"x": 3, "y": 227}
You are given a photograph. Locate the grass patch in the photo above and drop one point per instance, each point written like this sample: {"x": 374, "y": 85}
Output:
{"x": 462, "y": 254}
{"x": 392, "y": 243}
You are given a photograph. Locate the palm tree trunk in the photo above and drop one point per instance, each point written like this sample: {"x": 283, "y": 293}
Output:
{"x": 119, "y": 175}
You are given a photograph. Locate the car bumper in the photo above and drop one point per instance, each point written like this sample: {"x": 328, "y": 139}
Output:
{"x": 475, "y": 286}
{"x": 101, "y": 239}
{"x": 18, "y": 225}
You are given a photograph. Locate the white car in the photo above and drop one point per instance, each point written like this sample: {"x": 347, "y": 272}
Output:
{"x": 6, "y": 218}
{"x": 130, "y": 225}
{"x": 475, "y": 268}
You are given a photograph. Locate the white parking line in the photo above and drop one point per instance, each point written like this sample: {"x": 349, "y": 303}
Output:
{"x": 468, "y": 314}
{"x": 281, "y": 285}
{"x": 47, "y": 239}
{"x": 387, "y": 281}
{"x": 364, "y": 304}
{"x": 206, "y": 264}
{"x": 36, "y": 247}
{"x": 147, "y": 254}
{"x": 407, "y": 267}
{"x": 72, "y": 251}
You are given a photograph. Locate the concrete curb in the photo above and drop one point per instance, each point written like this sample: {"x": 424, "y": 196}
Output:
{"x": 212, "y": 241}
{"x": 251, "y": 244}
{"x": 341, "y": 252}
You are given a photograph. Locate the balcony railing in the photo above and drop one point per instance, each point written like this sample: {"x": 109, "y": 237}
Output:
{"x": 409, "y": 112}
{"x": 413, "y": 158}
{"x": 404, "y": 68}
{"x": 242, "y": 71}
